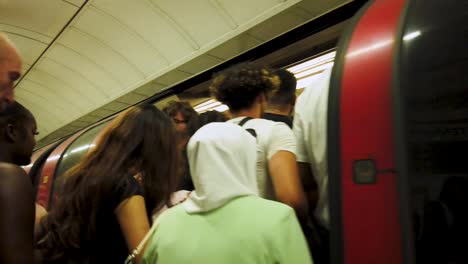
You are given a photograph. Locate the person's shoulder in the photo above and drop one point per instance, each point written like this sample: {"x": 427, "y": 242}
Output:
{"x": 172, "y": 217}
{"x": 272, "y": 210}
{"x": 13, "y": 178}
{"x": 10, "y": 168}
{"x": 281, "y": 131}
{"x": 175, "y": 211}
{"x": 262, "y": 127}
{"x": 270, "y": 125}
{"x": 12, "y": 172}
{"x": 263, "y": 122}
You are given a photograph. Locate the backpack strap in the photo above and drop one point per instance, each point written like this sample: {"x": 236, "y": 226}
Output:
{"x": 244, "y": 120}
{"x": 250, "y": 130}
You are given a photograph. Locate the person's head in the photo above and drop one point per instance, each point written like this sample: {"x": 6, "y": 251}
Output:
{"x": 140, "y": 139}
{"x": 285, "y": 97}
{"x": 244, "y": 87}
{"x": 210, "y": 117}
{"x": 183, "y": 115}
{"x": 17, "y": 131}
{"x": 10, "y": 69}
{"x": 134, "y": 141}
{"x": 222, "y": 159}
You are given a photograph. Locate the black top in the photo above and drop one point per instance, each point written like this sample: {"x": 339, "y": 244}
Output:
{"x": 186, "y": 181}
{"x": 110, "y": 245}
{"x": 279, "y": 118}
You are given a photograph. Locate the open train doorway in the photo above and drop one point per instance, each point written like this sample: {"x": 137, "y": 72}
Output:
{"x": 431, "y": 101}
{"x": 398, "y": 135}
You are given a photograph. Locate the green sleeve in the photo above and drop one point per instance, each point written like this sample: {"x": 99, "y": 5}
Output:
{"x": 290, "y": 245}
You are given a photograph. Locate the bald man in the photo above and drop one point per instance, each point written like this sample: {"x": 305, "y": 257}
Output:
{"x": 10, "y": 69}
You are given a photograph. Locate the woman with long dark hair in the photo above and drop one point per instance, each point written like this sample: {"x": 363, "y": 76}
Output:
{"x": 104, "y": 207}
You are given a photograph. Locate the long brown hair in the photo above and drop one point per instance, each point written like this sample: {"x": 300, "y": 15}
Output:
{"x": 142, "y": 139}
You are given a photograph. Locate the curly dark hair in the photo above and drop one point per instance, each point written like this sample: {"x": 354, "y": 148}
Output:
{"x": 239, "y": 85}
{"x": 187, "y": 111}
{"x": 173, "y": 107}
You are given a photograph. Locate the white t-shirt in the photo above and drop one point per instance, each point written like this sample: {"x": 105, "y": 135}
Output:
{"x": 310, "y": 129}
{"x": 271, "y": 138}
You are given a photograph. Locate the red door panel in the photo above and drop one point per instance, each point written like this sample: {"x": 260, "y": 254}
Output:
{"x": 369, "y": 210}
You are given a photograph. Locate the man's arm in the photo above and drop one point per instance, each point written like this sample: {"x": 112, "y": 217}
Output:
{"x": 17, "y": 215}
{"x": 283, "y": 170}
{"x": 286, "y": 182}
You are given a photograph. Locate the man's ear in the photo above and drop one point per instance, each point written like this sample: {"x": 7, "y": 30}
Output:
{"x": 11, "y": 133}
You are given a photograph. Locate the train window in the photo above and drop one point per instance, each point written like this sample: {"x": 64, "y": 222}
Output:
{"x": 434, "y": 63}
{"x": 75, "y": 152}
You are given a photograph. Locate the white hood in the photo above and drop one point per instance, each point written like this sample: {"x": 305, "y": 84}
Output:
{"x": 222, "y": 158}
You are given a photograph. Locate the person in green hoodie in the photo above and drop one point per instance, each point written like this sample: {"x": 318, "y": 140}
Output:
{"x": 224, "y": 220}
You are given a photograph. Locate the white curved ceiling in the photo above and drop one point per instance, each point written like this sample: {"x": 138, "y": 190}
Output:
{"x": 84, "y": 60}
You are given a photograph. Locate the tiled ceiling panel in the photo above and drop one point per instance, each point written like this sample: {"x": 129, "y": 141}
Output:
{"x": 76, "y": 85}
{"x": 50, "y": 91}
{"x": 49, "y": 21}
{"x": 30, "y": 49}
{"x": 87, "y": 54}
{"x": 121, "y": 38}
{"x": 116, "y": 65}
{"x": 243, "y": 10}
{"x": 77, "y": 3}
{"x": 151, "y": 25}
{"x": 87, "y": 67}
{"x": 201, "y": 21}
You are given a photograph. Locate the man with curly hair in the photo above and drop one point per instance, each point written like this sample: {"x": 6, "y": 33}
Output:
{"x": 244, "y": 88}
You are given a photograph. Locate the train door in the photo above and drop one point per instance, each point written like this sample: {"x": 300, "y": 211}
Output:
{"x": 365, "y": 222}
{"x": 397, "y": 135}
{"x": 431, "y": 119}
